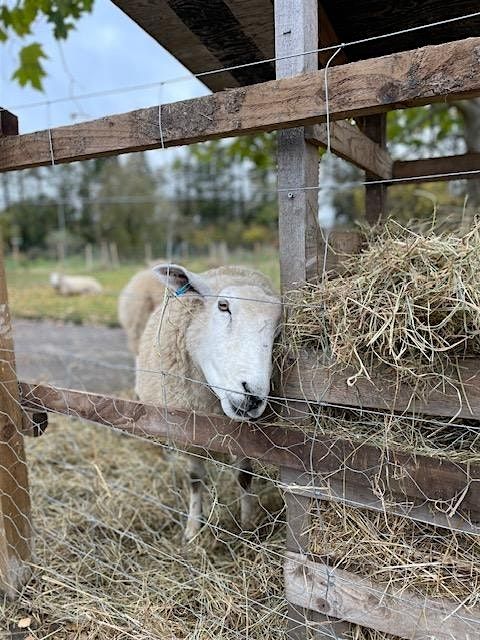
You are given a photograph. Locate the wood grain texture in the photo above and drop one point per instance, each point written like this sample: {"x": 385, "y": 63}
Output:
{"x": 310, "y": 380}
{"x": 375, "y": 128}
{"x": 348, "y": 142}
{"x": 422, "y": 76}
{"x": 411, "y": 476}
{"x": 15, "y": 518}
{"x": 160, "y": 21}
{"x": 319, "y": 487}
{"x": 421, "y": 170}
{"x": 296, "y": 29}
{"x": 369, "y": 18}
{"x": 342, "y": 594}
{"x": 298, "y": 517}
{"x": 211, "y": 35}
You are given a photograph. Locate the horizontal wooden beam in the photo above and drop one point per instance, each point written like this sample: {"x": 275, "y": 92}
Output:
{"x": 308, "y": 379}
{"x": 348, "y": 142}
{"x": 410, "y": 78}
{"x": 433, "y": 169}
{"x": 346, "y": 596}
{"x": 317, "y": 487}
{"x": 411, "y": 476}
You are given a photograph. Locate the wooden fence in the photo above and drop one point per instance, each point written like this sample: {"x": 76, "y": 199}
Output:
{"x": 337, "y": 470}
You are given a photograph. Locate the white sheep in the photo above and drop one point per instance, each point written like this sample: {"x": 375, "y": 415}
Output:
{"x": 209, "y": 348}
{"x": 137, "y": 300}
{"x": 74, "y": 285}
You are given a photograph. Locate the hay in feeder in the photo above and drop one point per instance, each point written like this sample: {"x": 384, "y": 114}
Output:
{"x": 408, "y": 303}
{"x": 435, "y": 438}
{"x": 408, "y": 556}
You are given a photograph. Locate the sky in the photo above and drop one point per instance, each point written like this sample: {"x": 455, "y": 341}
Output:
{"x": 106, "y": 51}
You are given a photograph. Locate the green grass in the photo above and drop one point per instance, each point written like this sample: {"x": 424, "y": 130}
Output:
{"x": 31, "y": 295}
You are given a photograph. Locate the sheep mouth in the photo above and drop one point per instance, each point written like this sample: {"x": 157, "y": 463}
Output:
{"x": 246, "y": 414}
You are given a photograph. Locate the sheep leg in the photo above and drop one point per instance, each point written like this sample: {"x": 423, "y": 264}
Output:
{"x": 247, "y": 499}
{"x": 194, "y": 520}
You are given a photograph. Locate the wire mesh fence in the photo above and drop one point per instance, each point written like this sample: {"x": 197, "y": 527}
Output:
{"x": 111, "y": 505}
{"x": 168, "y": 518}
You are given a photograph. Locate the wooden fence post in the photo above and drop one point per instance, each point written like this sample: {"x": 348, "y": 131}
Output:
{"x": 301, "y": 248}
{"x": 15, "y": 523}
{"x": 375, "y": 127}
{"x": 296, "y": 29}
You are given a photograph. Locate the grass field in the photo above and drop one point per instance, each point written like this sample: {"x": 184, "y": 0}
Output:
{"x": 31, "y": 295}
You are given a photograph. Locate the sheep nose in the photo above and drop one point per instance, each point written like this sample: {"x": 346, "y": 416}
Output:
{"x": 251, "y": 401}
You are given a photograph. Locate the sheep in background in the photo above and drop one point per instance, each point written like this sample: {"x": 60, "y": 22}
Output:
{"x": 213, "y": 339}
{"x": 74, "y": 285}
{"x": 137, "y": 300}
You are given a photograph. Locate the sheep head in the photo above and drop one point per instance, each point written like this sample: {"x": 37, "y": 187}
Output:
{"x": 230, "y": 335}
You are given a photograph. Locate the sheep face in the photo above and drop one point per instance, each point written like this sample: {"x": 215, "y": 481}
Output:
{"x": 230, "y": 338}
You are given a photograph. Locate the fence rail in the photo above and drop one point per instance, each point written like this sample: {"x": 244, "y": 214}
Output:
{"x": 411, "y": 78}
{"x": 430, "y": 489}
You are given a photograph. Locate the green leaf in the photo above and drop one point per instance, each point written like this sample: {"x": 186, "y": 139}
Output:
{"x": 31, "y": 70}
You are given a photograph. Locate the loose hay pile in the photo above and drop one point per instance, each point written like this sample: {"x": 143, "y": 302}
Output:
{"x": 409, "y": 303}
{"x": 110, "y": 563}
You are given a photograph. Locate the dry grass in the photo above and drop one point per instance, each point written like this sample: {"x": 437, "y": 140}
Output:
{"x": 435, "y": 438}
{"x": 110, "y": 562}
{"x": 409, "y": 303}
{"x": 394, "y": 550}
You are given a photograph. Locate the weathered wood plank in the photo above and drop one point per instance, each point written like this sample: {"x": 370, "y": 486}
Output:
{"x": 420, "y": 170}
{"x": 15, "y": 522}
{"x": 348, "y": 142}
{"x": 344, "y": 595}
{"x": 296, "y": 29}
{"x": 318, "y": 487}
{"x": 422, "y": 76}
{"x": 310, "y": 380}
{"x": 402, "y": 474}
{"x": 298, "y": 515}
{"x": 375, "y": 128}
{"x": 211, "y": 35}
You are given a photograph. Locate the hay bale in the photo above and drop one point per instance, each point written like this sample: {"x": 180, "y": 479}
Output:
{"x": 408, "y": 303}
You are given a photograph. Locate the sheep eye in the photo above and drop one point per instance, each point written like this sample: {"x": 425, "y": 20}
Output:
{"x": 223, "y": 305}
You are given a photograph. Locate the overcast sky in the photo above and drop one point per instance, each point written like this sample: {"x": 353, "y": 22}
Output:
{"x": 106, "y": 51}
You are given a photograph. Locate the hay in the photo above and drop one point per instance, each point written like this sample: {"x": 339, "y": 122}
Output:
{"x": 436, "y": 439}
{"x": 110, "y": 562}
{"x": 408, "y": 556}
{"x": 408, "y": 303}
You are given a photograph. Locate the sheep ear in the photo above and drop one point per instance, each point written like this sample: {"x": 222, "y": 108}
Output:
{"x": 181, "y": 281}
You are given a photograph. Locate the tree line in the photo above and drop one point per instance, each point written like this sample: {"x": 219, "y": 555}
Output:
{"x": 215, "y": 192}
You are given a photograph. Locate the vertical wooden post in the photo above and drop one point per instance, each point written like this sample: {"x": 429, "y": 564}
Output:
{"x": 298, "y": 516}
{"x": 301, "y": 254}
{"x": 375, "y": 127}
{"x": 15, "y": 523}
{"x": 296, "y": 30}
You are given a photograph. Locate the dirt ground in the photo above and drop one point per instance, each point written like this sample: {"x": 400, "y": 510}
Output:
{"x": 92, "y": 358}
